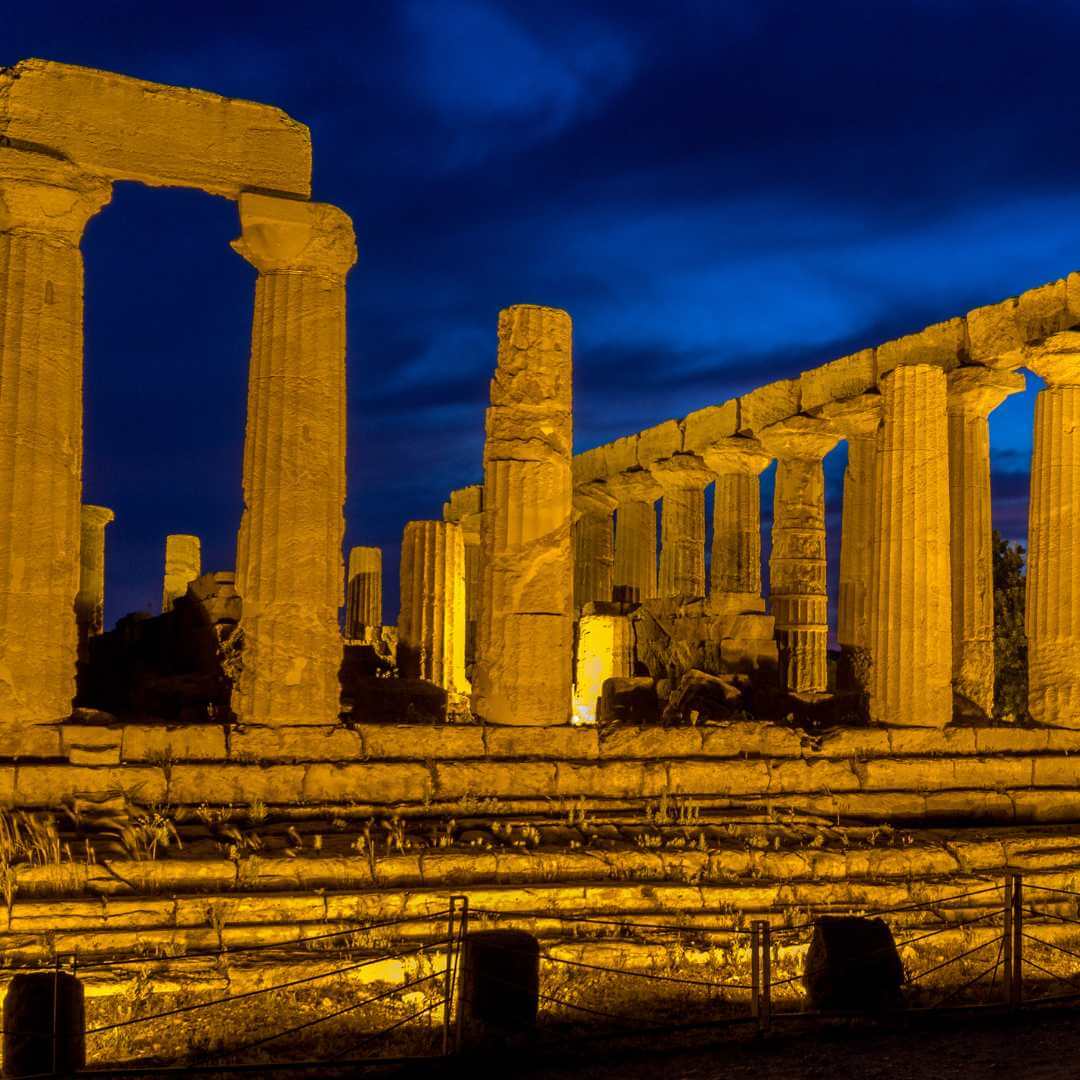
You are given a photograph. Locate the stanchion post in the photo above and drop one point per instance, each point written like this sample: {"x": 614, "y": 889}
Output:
{"x": 1008, "y": 941}
{"x": 755, "y": 970}
{"x": 448, "y": 978}
{"x": 765, "y": 1019}
{"x": 457, "y": 968}
{"x": 1016, "y": 991}
{"x": 56, "y": 1015}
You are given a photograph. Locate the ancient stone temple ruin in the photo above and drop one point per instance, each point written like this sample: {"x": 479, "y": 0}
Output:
{"x": 579, "y": 707}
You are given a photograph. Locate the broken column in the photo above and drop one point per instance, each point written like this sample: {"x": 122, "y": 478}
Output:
{"x": 288, "y": 560}
{"x": 736, "y": 546}
{"x": 683, "y": 479}
{"x": 974, "y": 393}
{"x": 634, "y": 577}
{"x": 90, "y": 599}
{"x": 526, "y": 615}
{"x": 363, "y": 594}
{"x": 183, "y": 564}
{"x": 797, "y": 563}
{"x": 605, "y": 650}
{"x": 911, "y": 605}
{"x": 45, "y": 204}
{"x": 464, "y": 508}
{"x": 1052, "y": 612}
{"x": 431, "y": 625}
{"x": 593, "y": 541}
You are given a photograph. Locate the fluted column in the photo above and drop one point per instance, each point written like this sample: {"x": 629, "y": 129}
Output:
{"x": 90, "y": 599}
{"x": 183, "y": 564}
{"x": 525, "y": 626}
{"x": 44, "y": 207}
{"x": 593, "y": 538}
{"x": 635, "y": 535}
{"x": 736, "y": 546}
{"x": 1053, "y": 579}
{"x": 974, "y": 393}
{"x": 911, "y": 605}
{"x": 363, "y": 592}
{"x": 683, "y": 479}
{"x": 431, "y": 624}
{"x": 289, "y": 568}
{"x": 465, "y": 508}
{"x": 797, "y": 563}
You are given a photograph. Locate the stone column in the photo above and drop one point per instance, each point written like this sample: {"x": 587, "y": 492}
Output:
{"x": 636, "y": 493}
{"x": 1052, "y": 610}
{"x": 911, "y": 599}
{"x": 736, "y": 546}
{"x": 683, "y": 479}
{"x": 45, "y": 204}
{"x": 431, "y": 625}
{"x": 605, "y": 650}
{"x": 90, "y": 599}
{"x": 797, "y": 562}
{"x": 974, "y": 393}
{"x": 593, "y": 537}
{"x": 183, "y": 564}
{"x": 465, "y": 508}
{"x": 363, "y": 594}
{"x": 288, "y": 559}
{"x": 526, "y": 619}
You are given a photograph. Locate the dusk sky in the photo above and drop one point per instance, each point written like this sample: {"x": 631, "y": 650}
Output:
{"x": 720, "y": 194}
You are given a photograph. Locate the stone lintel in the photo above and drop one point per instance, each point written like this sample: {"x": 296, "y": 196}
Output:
{"x": 799, "y": 437}
{"x": 165, "y": 136}
{"x": 942, "y": 345}
{"x": 635, "y": 486}
{"x": 45, "y": 196}
{"x": 681, "y": 471}
{"x": 658, "y": 442}
{"x": 594, "y": 498}
{"x": 1056, "y": 360}
{"x": 707, "y": 426}
{"x": 853, "y": 418}
{"x": 737, "y": 455}
{"x": 767, "y": 405}
{"x": 837, "y": 380}
{"x": 978, "y": 391}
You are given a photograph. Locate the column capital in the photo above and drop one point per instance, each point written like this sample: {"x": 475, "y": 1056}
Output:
{"x": 736, "y": 456}
{"x": 799, "y": 437}
{"x": 47, "y": 196}
{"x": 97, "y": 515}
{"x": 681, "y": 472}
{"x": 289, "y": 236}
{"x": 594, "y": 498}
{"x": 854, "y": 418}
{"x": 1057, "y": 359}
{"x": 978, "y": 391}
{"x": 634, "y": 486}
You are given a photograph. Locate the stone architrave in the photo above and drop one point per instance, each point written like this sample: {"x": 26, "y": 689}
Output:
{"x": 974, "y": 392}
{"x": 911, "y": 602}
{"x": 797, "y": 562}
{"x": 526, "y": 617}
{"x": 45, "y": 204}
{"x": 1052, "y": 610}
{"x": 183, "y": 564}
{"x": 431, "y": 624}
{"x": 736, "y": 546}
{"x": 593, "y": 539}
{"x": 683, "y": 478}
{"x": 289, "y": 568}
{"x": 465, "y": 508}
{"x": 634, "y": 576}
{"x": 363, "y": 593}
{"x": 605, "y": 650}
{"x": 90, "y": 599}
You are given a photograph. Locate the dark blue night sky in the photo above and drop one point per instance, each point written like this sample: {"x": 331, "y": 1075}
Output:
{"x": 720, "y": 194}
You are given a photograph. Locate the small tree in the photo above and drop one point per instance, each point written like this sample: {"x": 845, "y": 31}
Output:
{"x": 1010, "y": 640}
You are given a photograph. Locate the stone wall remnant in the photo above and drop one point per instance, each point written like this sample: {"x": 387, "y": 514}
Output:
{"x": 90, "y": 599}
{"x": 183, "y": 564}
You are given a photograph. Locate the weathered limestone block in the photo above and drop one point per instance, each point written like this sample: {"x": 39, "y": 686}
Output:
{"x": 659, "y": 441}
{"x": 465, "y": 507}
{"x": 736, "y": 546}
{"x": 683, "y": 479}
{"x": 183, "y": 564}
{"x": 431, "y": 626}
{"x": 593, "y": 539}
{"x": 706, "y": 427}
{"x": 129, "y": 129}
{"x": 44, "y": 207}
{"x": 525, "y": 622}
{"x": 288, "y": 561}
{"x": 635, "y": 534}
{"x": 911, "y": 605}
{"x": 768, "y": 405}
{"x": 90, "y": 599}
{"x": 1053, "y": 579}
{"x": 797, "y": 568}
{"x": 973, "y": 394}
{"x": 605, "y": 650}
{"x": 363, "y": 594}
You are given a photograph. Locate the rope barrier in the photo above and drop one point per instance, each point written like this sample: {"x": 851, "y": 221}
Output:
{"x": 952, "y": 960}
{"x": 1051, "y": 945}
{"x": 971, "y": 982}
{"x": 622, "y": 923}
{"x": 1053, "y": 915}
{"x": 1056, "y": 978}
{"x": 1051, "y": 889}
{"x": 647, "y": 975}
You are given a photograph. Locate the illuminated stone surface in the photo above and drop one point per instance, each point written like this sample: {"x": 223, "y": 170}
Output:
{"x": 605, "y": 650}
{"x": 431, "y": 625}
{"x": 1053, "y": 575}
{"x": 736, "y": 546}
{"x": 44, "y": 207}
{"x": 183, "y": 564}
{"x": 363, "y": 594}
{"x": 289, "y": 568}
{"x": 973, "y": 394}
{"x": 90, "y": 599}
{"x": 634, "y": 575}
{"x": 593, "y": 540}
{"x": 525, "y": 618}
{"x": 911, "y": 606}
{"x": 465, "y": 508}
{"x": 683, "y": 479}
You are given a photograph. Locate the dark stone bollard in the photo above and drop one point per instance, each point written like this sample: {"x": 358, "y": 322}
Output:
{"x": 852, "y": 965}
{"x": 500, "y": 986}
{"x": 33, "y": 999}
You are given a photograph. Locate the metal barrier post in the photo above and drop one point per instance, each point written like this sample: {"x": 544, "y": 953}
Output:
{"x": 765, "y": 1019}
{"x": 755, "y": 970}
{"x": 448, "y": 980}
{"x": 461, "y": 944}
{"x": 1008, "y": 941}
{"x": 1016, "y": 989}
{"x": 56, "y": 1015}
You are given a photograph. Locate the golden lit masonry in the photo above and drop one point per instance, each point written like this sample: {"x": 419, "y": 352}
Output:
{"x": 183, "y": 564}
{"x": 90, "y": 599}
{"x": 363, "y": 593}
